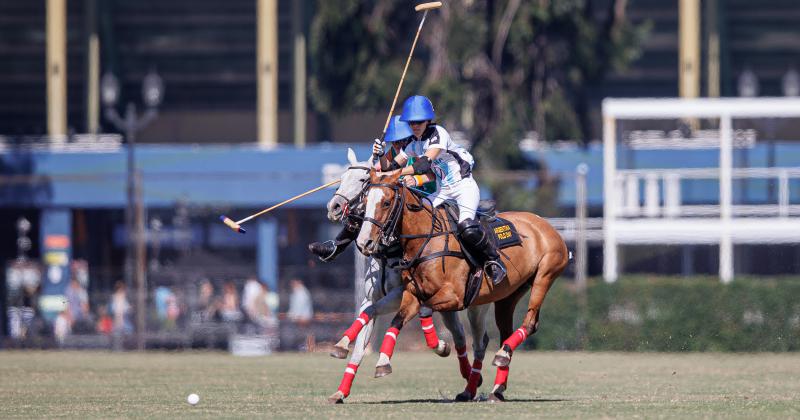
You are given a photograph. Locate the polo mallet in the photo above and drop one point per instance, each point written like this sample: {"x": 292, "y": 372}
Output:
{"x": 236, "y": 226}
{"x": 420, "y": 7}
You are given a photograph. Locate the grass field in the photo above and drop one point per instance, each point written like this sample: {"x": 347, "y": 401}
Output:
{"x": 542, "y": 385}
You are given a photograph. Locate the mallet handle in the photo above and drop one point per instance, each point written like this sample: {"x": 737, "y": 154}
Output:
{"x": 405, "y": 69}
{"x": 288, "y": 201}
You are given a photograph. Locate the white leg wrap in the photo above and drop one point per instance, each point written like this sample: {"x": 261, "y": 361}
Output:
{"x": 343, "y": 343}
{"x": 383, "y": 360}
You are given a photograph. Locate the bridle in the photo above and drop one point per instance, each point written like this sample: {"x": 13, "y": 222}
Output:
{"x": 353, "y": 203}
{"x": 388, "y": 228}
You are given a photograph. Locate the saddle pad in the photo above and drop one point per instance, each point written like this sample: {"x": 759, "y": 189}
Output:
{"x": 503, "y": 233}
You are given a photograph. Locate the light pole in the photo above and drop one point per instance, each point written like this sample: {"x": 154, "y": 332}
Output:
{"x": 130, "y": 123}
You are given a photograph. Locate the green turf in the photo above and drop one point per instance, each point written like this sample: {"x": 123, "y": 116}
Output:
{"x": 649, "y": 385}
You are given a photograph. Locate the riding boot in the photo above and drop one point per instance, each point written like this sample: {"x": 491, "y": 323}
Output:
{"x": 476, "y": 239}
{"x": 324, "y": 250}
{"x": 328, "y": 250}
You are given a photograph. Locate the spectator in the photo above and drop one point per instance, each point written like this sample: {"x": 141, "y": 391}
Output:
{"x": 166, "y": 307}
{"x": 250, "y": 297}
{"x": 104, "y": 322}
{"x": 229, "y": 309}
{"x": 121, "y": 310}
{"x": 207, "y": 305}
{"x": 62, "y": 326}
{"x": 77, "y": 302}
{"x": 301, "y": 308}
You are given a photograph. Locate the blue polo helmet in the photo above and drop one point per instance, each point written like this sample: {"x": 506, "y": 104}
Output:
{"x": 397, "y": 130}
{"x": 417, "y": 108}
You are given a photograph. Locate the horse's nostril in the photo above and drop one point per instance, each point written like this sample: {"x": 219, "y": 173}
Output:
{"x": 336, "y": 206}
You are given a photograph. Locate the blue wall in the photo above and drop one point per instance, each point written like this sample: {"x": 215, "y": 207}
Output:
{"x": 239, "y": 176}
{"x": 247, "y": 176}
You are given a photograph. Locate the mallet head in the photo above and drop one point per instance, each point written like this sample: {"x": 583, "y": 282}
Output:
{"x": 231, "y": 224}
{"x": 428, "y": 6}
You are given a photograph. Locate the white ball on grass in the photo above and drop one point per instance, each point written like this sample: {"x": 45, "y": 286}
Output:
{"x": 193, "y": 399}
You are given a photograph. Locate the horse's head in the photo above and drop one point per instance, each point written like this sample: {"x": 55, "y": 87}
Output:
{"x": 354, "y": 180}
{"x": 383, "y": 208}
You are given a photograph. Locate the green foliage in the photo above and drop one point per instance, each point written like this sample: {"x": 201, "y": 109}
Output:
{"x": 675, "y": 314}
{"x": 496, "y": 70}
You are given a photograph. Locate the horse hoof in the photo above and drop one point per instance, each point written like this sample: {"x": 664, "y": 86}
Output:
{"x": 381, "y": 371}
{"x": 336, "y": 398}
{"x": 339, "y": 353}
{"x": 465, "y": 396}
{"x": 443, "y": 349}
{"x": 501, "y": 361}
{"x": 502, "y": 357}
{"x": 496, "y": 397}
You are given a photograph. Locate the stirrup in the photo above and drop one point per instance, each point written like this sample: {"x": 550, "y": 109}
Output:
{"x": 320, "y": 244}
{"x": 495, "y": 270}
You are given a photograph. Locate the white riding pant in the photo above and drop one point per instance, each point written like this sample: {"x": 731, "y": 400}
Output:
{"x": 465, "y": 192}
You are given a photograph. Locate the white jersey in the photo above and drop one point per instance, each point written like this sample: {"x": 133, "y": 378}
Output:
{"x": 453, "y": 164}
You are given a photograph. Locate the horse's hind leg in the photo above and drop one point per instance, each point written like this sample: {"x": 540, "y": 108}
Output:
{"x": 551, "y": 265}
{"x": 480, "y": 340}
{"x": 409, "y": 306}
{"x": 504, "y": 319}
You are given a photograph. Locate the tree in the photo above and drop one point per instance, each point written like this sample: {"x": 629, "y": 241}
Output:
{"x": 495, "y": 69}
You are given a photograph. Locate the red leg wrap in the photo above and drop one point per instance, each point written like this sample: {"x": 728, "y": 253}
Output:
{"x": 516, "y": 338}
{"x": 347, "y": 379}
{"x": 356, "y": 327}
{"x": 502, "y": 376}
{"x": 474, "y": 377}
{"x": 431, "y": 339}
{"x": 463, "y": 361}
{"x": 389, "y": 340}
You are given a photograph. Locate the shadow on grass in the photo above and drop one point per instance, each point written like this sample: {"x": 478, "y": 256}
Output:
{"x": 447, "y": 401}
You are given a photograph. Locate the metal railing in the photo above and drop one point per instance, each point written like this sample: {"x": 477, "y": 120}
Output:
{"x": 662, "y": 192}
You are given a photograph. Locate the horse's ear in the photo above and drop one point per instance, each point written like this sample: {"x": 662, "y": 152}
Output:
{"x": 351, "y": 157}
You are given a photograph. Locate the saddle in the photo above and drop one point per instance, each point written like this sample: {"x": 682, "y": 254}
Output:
{"x": 500, "y": 231}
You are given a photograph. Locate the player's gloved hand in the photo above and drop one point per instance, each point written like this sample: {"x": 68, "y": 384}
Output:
{"x": 410, "y": 181}
{"x": 377, "y": 148}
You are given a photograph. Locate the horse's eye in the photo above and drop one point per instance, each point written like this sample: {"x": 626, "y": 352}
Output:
{"x": 385, "y": 204}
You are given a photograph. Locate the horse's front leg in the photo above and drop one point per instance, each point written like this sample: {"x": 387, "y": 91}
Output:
{"x": 384, "y": 305}
{"x": 375, "y": 303}
{"x": 409, "y": 306}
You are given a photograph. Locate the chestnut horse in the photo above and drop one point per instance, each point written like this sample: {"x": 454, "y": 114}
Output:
{"x": 440, "y": 282}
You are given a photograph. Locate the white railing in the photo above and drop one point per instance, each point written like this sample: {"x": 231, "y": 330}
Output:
{"x": 666, "y": 183}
